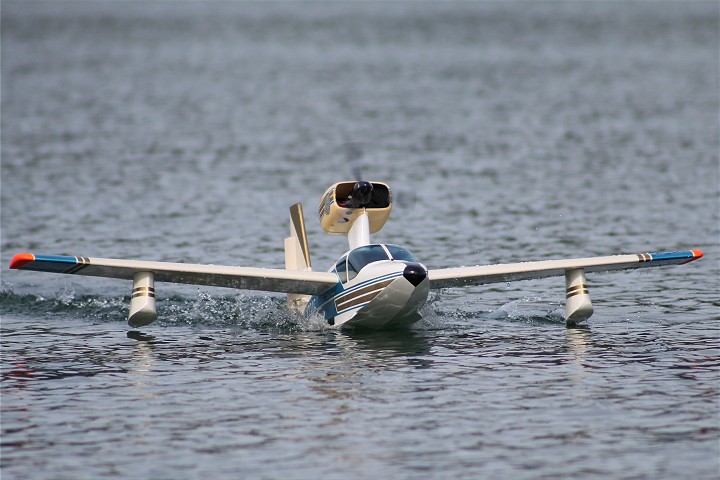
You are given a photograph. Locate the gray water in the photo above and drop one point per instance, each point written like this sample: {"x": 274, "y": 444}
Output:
{"x": 527, "y": 131}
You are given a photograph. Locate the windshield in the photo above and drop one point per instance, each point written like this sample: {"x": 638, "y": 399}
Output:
{"x": 399, "y": 253}
{"x": 350, "y": 265}
{"x": 341, "y": 268}
{"x": 360, "y": 257}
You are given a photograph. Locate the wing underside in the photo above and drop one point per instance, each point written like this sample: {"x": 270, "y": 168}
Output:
{"x": 265, "y": 279}
{"x": 479, "y": 275}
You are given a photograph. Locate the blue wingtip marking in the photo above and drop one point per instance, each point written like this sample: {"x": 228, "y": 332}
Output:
{"x": 55, "y": 258}
{"x": 680, "y": 255}
{"x": 52, "y": 263}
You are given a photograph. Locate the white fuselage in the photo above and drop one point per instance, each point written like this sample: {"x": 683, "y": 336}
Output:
{"x": 378, "y": 285}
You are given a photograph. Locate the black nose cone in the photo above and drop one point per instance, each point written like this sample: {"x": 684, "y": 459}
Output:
{"x": 415, "y": 273}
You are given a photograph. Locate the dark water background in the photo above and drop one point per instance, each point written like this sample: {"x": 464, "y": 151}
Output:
{"x": 181, "y": 131}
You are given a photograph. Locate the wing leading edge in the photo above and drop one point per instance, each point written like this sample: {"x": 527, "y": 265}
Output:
{"x": 265, "y": 279}
{"x": 479, "y": 275}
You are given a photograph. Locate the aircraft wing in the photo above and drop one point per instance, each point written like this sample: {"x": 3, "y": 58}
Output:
{"x": 266, "y": 279}
{"x": 479, "y": 275}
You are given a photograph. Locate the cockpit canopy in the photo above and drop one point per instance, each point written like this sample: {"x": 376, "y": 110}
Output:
{"x": 350, "y": 265}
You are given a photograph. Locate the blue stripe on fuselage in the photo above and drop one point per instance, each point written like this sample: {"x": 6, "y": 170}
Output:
{"x": 325, "y": 302}
{"x": 373, "y": 280}
{"x": 322, "y": 304}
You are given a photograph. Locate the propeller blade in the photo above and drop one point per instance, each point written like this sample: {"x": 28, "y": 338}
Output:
{"x": 353, "y": 153}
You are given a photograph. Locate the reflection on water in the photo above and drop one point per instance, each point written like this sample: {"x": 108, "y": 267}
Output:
{"x": 405, "y": 343}
{"x": 578, "y": 339}
{"x": 143, "y": 357}
{"x": 141, "y": 337}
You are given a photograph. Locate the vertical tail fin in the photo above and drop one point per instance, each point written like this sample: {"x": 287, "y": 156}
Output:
{"x": 297, "y": 230}
{"x": 297, "y": 254}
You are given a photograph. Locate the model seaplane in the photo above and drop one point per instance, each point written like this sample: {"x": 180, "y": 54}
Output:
{"x": 372, "y": 285}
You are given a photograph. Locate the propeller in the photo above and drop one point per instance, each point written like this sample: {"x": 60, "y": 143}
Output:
{"x": 362, "y": 190}
{"x": 354, "y": 154}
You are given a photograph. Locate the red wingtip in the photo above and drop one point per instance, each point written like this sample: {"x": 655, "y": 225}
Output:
{"x": 21, "y": 259}
{"x": 696, "y": 254}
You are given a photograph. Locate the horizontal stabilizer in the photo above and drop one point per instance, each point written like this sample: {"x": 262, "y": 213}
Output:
{"x": 479, "y": 275}
{"x": 265, "y": 279}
